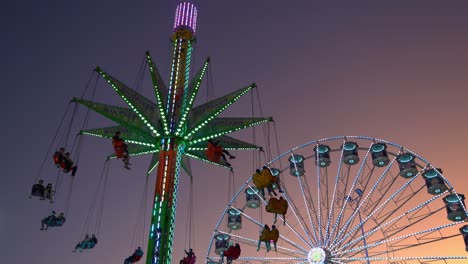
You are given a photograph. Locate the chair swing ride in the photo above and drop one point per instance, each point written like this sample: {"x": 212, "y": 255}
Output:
{"x": 365, "y": 204}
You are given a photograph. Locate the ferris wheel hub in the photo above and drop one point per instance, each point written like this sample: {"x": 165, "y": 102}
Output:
{"x": 318, "y": 255}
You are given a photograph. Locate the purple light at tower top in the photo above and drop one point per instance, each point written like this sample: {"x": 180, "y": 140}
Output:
{"x": 186, "y": 16}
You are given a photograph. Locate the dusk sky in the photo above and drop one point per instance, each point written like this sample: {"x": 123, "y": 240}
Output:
{"x": 395, "y": 70}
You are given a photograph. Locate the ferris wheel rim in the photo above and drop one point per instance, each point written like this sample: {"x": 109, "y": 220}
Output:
{"x": 291, "y": 151}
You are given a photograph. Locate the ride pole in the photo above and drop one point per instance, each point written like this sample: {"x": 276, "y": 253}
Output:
{"x": 161, "y": 233}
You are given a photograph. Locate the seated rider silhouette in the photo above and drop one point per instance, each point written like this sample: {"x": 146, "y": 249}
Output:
{"x": 121, "y": 149}
{"x": 215, "y": 152}
{"x": 190, "y": 258}
{"x": 67, "y": 164}
{"x": 135, "y": 257}
{"x": 38, "y": 190}
{"x": 58, "y": 156}
{"x": 86, "y": 243}
{"x": 52, "y": 221}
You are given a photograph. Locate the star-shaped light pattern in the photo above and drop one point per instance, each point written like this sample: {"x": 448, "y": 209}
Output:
{"x": 144, "y": 124}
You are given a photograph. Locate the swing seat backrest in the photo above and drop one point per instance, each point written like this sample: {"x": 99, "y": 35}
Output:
{"x": 37, "y": 190}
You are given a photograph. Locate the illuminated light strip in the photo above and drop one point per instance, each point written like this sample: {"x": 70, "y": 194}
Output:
{"x": 404, "y": 237}
{"x": 181, "y": 121}
{"x": 202, "y": 124}
{"x": 300, "y": 221}
{"x": 190, "y": 24}
{"x": 183, "y": 13}
{"x": 307, "y": 205}
{"x": 381, "y": 226}
{"x": 204, "y": 148}
{"x": 205, "y": 160}
{"x": 145, "y": 121}
{"x": 180, "y": 151}
{"x": 129, "y": 141}
{"x": 176, "y": 16}
{"x": 177, "y": 69}
{"x": 319, "y": 200}
{"x": 302, "y": 249}
{"x": 164, "y": 178}
{"x": 229, "y": 131}
{"x": 192, "y": 98}
{"x": 406, "y": 258}
{"x": 171, "y": 80}
{"x": 368, "y": 195}
{"x": 335, "y": 189}
{"x": 186, "y": 13}
{"x": 258, "y": 223}
{"x": 304, "y": 252}
{"x": 379, "y": 207}
{"x": 152, "y": 168}
{"x": 195, "y": 20}
{"x": 162, "y": 111}
{"x": 352, "y": 188}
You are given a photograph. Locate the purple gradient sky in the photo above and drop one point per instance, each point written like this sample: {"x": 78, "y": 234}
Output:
{"x": 396, "y": 71}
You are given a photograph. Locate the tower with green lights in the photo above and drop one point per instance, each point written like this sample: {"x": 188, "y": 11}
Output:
{"x": 171, "y": 128}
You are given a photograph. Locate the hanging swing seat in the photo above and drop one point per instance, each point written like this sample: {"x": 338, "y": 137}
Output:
{"x": 120, "y": 148}
{"x": 86, "y": 244}
{"x": 273, "y": 235}
{"x": 53, "y": 221}
{"x": 263, "y": 179}
{"x": 233, "y": 252}
{"x": 188, "y": 260}
{"x": 277, "y": 206}
{"x": 38, "y": 191}
{"x": 214, "y": 152}
{"x": 58, "y": 158}
{"x": 135, "y": 257}
{"x": 265, "y": 236}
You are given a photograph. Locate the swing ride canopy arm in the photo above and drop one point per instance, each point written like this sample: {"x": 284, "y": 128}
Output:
{"x": 203, "y": 114}
{"x": 160, "y": 90}
{"x": 142, "y": 106}
{"x": 221, "y": 126}
{"x": 227, "y": 142}
{"x": 191, "y": 94}
{"x": 123, "y": 116}
{"x": 129, "y": 135}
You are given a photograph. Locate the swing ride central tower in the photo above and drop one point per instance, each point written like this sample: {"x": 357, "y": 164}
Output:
{"x": 171, "y": 129}
{"x": 167, "y": 179}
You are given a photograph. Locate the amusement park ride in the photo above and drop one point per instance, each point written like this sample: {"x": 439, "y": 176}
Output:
{"x": 366, "y": 203}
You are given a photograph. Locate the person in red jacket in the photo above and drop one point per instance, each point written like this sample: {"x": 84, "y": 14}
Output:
{"x": 232, "y": 253}
{"x": 121, "y": 149}
{"x": 215, "y": 153}
{"x": 59, "y": 156}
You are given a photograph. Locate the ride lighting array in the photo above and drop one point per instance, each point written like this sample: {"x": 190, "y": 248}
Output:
{"x": 238, "y": 94}
{"x": 156, "y": 82}
{"x": 112, "y": 82}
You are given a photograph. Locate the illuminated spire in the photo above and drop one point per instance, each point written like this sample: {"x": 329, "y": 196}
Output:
{"x": 186, "y": 17}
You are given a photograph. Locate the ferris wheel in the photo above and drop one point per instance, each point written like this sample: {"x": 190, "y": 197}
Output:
{"x": 352, "y": 199}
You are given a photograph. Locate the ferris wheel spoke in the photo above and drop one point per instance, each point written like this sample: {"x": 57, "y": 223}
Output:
{"x": 400, "y": 238}
{"x": 254, "y": 243}
{"x": 361, "y": 202}
{"x": 286, "y": 223}
{"x": 332, "y": 202}
{"x": 380, "y": 206}
{"x": 346, "y": 202}
{"x": 300, "y": 220}
{"x": 272, "y": 258}
{"x": 319, "y": 215}
{"x": 381, "y": 225}
{"x": 260, "y": 224}
{"x": 308, "y": 204}
{"x": 396, "y": 259}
